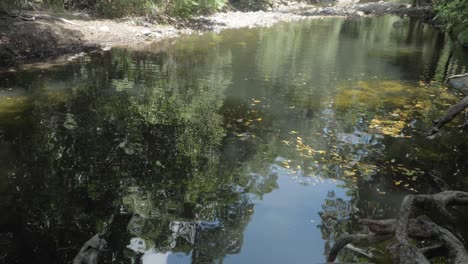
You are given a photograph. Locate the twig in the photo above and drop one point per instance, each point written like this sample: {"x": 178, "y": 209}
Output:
{"x": 70, "y": 22}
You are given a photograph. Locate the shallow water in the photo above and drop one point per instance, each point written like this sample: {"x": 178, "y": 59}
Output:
{"x": 249, "y": 146}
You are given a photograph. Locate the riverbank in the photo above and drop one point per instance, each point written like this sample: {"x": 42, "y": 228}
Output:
{"x": 50, "y": 35}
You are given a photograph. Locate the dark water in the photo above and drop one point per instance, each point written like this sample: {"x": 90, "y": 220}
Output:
{"x": 251, "y": 146}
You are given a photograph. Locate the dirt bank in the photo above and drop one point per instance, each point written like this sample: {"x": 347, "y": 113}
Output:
{"x": 50, "y": 34}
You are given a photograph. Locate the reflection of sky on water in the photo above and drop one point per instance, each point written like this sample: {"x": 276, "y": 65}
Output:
{"x": 152, "y": 256}
{"x": 284, "y": 227}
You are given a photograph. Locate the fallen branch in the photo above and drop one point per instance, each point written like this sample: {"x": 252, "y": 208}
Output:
{"x": 70, "y": 22}
{"x": 460, "y": 83}
{"x": 449, "y": 116}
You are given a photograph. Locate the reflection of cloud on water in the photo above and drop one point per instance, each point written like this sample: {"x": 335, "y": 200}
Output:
{"x": 137, "y": 244}
{"x": 152, "y": 256}
{"x": 299, "y": 175}
{"x": 288, "y": 215}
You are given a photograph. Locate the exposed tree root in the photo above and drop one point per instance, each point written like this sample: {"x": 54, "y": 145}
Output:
{"x": 412, "y": 223}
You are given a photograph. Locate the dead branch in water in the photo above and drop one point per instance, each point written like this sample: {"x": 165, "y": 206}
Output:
{"x": 449, "y": 116}
{"x": 460, "y": 83}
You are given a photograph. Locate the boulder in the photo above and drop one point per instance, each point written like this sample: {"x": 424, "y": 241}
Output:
{"x": 459, "y": 82}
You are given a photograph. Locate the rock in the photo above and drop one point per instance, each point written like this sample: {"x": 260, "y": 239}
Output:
{"x": 360, "y": 13}
{"x": 104, "y": 29}
{"x": 459, "y": 82}
{"x": 462, "y": 37}
{"x": 146, "y": 32}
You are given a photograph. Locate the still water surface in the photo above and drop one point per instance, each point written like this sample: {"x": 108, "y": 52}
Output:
{"x": 249, "y": 146}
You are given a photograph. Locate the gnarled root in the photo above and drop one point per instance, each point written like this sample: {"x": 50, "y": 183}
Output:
{"x": 412, "y": 224}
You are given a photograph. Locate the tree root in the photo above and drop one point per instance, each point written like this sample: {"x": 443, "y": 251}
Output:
{"x": 413, "y": 224}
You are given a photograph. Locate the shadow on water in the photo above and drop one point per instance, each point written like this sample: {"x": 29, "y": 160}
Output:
{"x": 251, "y": 146}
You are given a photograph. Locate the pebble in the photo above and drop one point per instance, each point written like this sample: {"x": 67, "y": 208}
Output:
{"x": 104, "y": 29}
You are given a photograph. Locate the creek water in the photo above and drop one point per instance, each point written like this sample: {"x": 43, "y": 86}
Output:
{"x": 249, "y": 146}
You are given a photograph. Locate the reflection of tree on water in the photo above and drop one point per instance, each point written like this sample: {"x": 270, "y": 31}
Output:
{"x": 336, "y": 218}
{"x": 153, "y": 155}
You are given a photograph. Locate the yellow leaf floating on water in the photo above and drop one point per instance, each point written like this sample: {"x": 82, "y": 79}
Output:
{"x": 397, "y": 183}
{"x": 380, "y": 192}
{"x": 293, "y": 132}
{"x": 258, "y": 119}
{"x": 388, "y": 127}
{"x": 257, "y": 101}
{"x": 286, "y": 142}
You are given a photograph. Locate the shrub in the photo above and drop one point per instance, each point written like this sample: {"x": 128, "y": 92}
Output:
{"x": 452, "y": 13}
{"x": 119, "y": 8}
{"x": 185, "y": 8}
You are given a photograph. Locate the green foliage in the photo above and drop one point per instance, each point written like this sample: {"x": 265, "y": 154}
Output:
{"x": 251, "y": 4}
{"x": 119, "y": 8}
{"x": 463, "y": 37}
{"x": 452, "y": 13}
{"x": 186, "y": 8}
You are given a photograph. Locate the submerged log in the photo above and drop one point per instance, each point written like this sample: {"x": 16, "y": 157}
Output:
{"x": 413, "y": 224}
